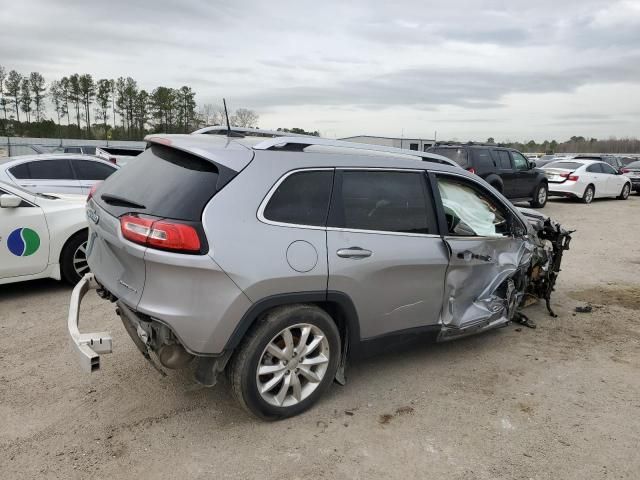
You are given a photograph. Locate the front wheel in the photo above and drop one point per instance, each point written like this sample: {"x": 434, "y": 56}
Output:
{"x": 286, "y": 361}
{"x": 624, "y": 194}
{"x": 73, "y": 261}
{"x": 540, "y": 197}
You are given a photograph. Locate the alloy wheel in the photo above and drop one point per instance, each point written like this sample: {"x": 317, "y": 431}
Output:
{"x": 292, "y": 365}
{"x": 542, "y": 196}
{"x": 80, "y": 264}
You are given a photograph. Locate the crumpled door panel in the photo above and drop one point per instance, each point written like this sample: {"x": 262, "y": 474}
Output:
{"x": 475, "y": 288}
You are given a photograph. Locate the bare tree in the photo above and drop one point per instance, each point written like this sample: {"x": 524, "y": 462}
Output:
{"x": 245, "y": 118}
{"x": 88, "y": 93}
{"x": 103, "y": 98}
{"x": 57, "y": 98}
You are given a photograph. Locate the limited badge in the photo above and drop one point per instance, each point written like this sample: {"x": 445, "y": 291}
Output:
{"x": 23, "y": 242}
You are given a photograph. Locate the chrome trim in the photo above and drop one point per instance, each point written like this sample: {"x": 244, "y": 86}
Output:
{"x": 267, "y": 198}
{"x": 88, "y": 346}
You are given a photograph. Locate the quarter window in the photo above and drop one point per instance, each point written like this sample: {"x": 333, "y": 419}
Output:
{"x": 608, "y": 169}
{"x": 385, "y": 201}
{"x": 595, "y": 168}
{"x": 470, "y": 212}
{"x": 301, "y": 199}
{"x": 483, "y": 160}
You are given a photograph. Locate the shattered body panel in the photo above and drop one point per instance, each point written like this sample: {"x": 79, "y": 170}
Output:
{"x": 490, "y": 279}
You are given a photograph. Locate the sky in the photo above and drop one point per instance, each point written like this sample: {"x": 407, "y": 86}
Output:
{"x": 468, "y": 70}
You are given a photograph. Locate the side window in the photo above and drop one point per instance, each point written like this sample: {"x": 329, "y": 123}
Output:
{"x": 471, "y": 212}
{"x": 386, "y": 201}
{"x": 594, "y": 168}
{"x": 482, "y": 159}
{"x": 88, "y": 170}
{"x": 301, "y": 199}
{"x": 21, "y": 172}
{"x": 50, "y": 170}
{"x": 413, "y": 146}
{"x": 504, "y": 160}
{"x": 519, "y": 161}
{"x": 72, "y": 150}
{"x": 608, "y": 169}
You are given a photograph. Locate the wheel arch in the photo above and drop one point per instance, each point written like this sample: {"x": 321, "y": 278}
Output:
{"x": 495, "y": 181}
{"x": 337, "y": 304}
{"x": 66, "y": 242}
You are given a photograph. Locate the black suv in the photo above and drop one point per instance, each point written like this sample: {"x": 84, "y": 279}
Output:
{"x": 505, "y": 169}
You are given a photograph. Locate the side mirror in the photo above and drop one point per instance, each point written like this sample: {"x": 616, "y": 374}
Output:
{"x": 532, "y": 164}
{"x": 10, "y": 201}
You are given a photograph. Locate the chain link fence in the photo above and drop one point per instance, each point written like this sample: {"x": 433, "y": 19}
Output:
{"x": 14, "y": 146}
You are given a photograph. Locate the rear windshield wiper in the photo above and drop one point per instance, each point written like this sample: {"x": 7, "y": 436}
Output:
{"x": 117, "y": 201}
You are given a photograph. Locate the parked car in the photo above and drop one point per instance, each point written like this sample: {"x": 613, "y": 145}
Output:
{"x": 55, "y": 173}
{"x": 586, "y": 180}
{"x": 41, "y": 236}
{"x": 505, "y": 169}
{"x": 81, "y": 149}
{"x": 118, "y": 155}
{"x": 632, "y": 170}
{"x": 277, "y": 264}
{"x": 544, "y": 159}
{"x": 612, "y": 160}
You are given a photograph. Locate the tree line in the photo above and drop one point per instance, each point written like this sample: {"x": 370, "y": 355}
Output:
{"x": 102, "y": 109}
{"x": 577, "y": 144}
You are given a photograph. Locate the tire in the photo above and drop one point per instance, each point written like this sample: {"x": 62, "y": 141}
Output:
{"x": 73, "y": 260}
{"x": 589, "y": 193}
{"x": 540, "y": 196}
{"x": 624, "y": 194}
{"x": 266, "y": 346}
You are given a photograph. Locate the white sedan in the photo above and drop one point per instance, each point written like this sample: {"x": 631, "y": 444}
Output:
{"x": 586, "y": 180}
{"x": 41, "y": 236}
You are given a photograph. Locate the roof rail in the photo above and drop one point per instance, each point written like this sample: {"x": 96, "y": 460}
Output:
{"x": 301, "y": 143}
{"x": 222, "y": 130}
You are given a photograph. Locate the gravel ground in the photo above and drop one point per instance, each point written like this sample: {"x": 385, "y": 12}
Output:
{"x": 560, "y": 402}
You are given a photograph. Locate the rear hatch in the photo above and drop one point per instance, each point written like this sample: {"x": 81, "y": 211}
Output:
{"x": 165, "y": 186}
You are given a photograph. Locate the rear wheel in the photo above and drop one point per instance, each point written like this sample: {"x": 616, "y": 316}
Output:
{"x": 73, "y": 261}
{"x": 588, "y": 195}
{"x": 540, "y": 196}
{"x": 286, "y": 362}
{"x": 624, "y": 194}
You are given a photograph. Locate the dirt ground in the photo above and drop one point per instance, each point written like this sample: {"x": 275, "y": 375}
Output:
{"x": 558, "y": 402}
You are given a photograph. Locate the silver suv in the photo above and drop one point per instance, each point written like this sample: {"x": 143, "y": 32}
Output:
{"x": 278, "y": 259}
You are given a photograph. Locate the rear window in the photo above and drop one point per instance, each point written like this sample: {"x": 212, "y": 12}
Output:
{"x": 567, "y": 165}
{"x": 458, "y": 155}
{"x": 121, "y": 151}
{"x": 635, "y": 164}
{"x": 164, "y": 182}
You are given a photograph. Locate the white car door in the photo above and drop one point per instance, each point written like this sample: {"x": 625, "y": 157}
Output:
{"x": 599, "y": 179}
{"x": 24, "y": 239}
{"x": 615, "y": 181}
{"x": 47, "y": 176}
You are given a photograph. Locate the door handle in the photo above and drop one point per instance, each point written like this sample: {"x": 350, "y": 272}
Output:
{"x": 468, "y": 256}
{"x": 354, "y": 252}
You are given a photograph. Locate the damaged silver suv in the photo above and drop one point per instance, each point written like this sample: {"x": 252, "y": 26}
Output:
{"x": 276, "y": 260}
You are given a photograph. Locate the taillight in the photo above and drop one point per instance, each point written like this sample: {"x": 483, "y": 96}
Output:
{"x": 570, "y": 176}
{"x": 161, "y": 234}
{"x": 93, "y": 189}
{"x": 624, "y": 170}
{"x": 471, "y": 169}
{"x": 113, "y": 160}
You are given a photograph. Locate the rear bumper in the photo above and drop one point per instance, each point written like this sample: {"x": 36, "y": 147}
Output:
{"x": 87, "y": 346}
{"x": 566, "y": 189}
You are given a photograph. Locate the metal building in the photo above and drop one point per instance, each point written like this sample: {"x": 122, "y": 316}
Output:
{"x": 420, "y": 144}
